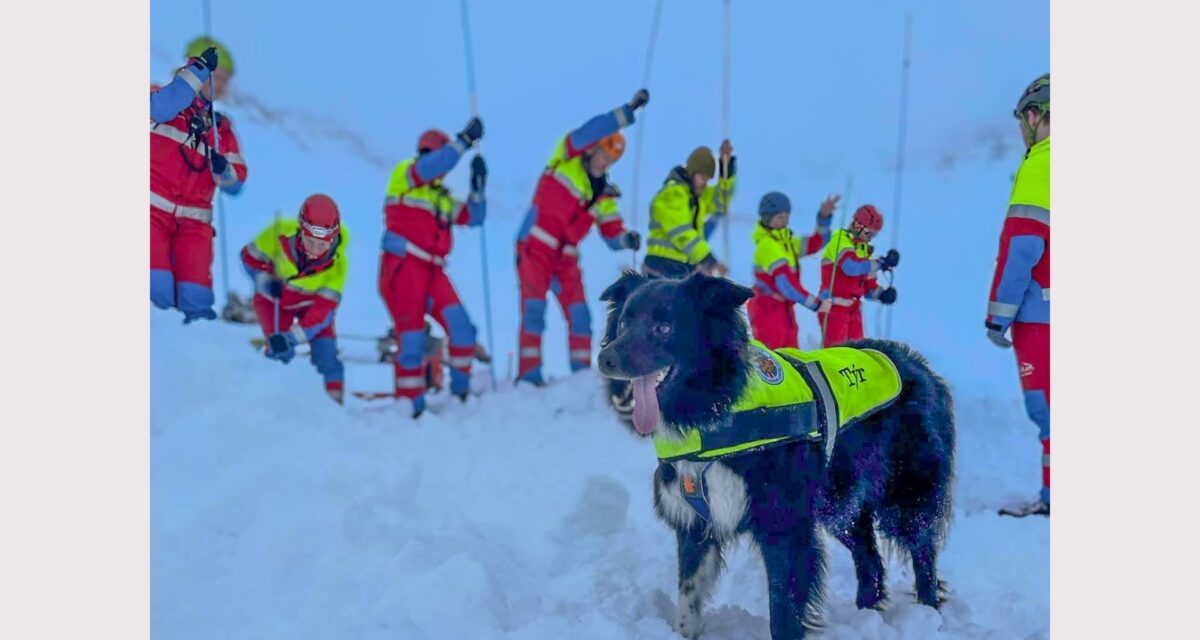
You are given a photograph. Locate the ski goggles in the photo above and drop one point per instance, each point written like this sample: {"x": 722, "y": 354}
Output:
{"x": 320, "y": 233}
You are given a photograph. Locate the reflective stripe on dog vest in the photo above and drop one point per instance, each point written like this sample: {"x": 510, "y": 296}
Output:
{"x": 793, "y": 395}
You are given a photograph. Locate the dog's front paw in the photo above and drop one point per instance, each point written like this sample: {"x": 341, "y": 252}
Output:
{"x": 688, "y": 623}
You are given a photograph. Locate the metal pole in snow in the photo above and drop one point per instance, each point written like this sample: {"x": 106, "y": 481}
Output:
{"x": 469, "y": 56}
{"x": 641, "y": 129}
{"x": 906, "y": 65}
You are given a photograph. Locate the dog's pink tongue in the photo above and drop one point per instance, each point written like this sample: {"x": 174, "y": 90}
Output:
{"x": 645, "y": 404}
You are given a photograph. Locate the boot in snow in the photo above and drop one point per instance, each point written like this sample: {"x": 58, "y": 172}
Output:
{"x": 1036, "y": 507}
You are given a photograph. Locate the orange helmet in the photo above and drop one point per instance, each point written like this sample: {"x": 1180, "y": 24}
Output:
{"x": 613, "y": 145}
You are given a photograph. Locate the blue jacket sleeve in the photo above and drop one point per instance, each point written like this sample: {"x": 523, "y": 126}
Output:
{"x": 166, "y": 103}
{"x": 786, "y": 289}
{"x": 435, "y": 164}
{"x": 598, "y": 127}
{"x": 1024, "y": 252}
{"x": 858, "y": 267}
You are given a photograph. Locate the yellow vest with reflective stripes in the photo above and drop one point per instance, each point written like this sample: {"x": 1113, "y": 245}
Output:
{"x": 775, "y": 246}
{"x": 431, "y": 196}
{"x": 571, "y": 174}
{"x": 842, "y": 241}
{"x": 677, "y": 219}
{"x": 327, "y": 283}
{"x": 1032, "y": 184}
{"x": 793, "y": 395}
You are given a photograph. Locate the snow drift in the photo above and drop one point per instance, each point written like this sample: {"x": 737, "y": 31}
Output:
{"x": 522, "y": 514}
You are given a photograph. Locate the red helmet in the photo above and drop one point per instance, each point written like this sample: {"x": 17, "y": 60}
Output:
{"x": 432, "y": 140}
{"x": 869, "y": 217}
{"x": 319, "y": 218}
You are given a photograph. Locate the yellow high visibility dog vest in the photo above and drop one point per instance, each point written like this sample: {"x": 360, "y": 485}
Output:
{"x": 793, "y": 395}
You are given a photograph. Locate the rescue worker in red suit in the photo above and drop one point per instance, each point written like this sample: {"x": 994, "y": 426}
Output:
{"x": 190, "y": 156}
{"x": 777, "y": 285}
{"x": 572, "y": 194}
{"x": 299, "y": 269}
{"x": 419, "y": 213}
{"x": 1019, "y": 300}
{"x": 849, "y": 273}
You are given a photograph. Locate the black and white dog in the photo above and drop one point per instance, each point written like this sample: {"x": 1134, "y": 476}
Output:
{"x": 685, "y": 346}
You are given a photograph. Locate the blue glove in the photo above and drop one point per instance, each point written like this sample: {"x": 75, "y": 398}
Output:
{"x": 631, "y": 240}
{"x": 281, "y": 347}
{"x": 219, "y": 163}
{"x": 479, "y": 173}
{"x": 889, "y": 260}
{"x": 472, "y": 132}
{"x": 209, "y": 58}
{"x": 268, "y": 284}
{"x": 887, "y": 296}
{"x": 995, "y": 333}
{"x": 639, "y": 99}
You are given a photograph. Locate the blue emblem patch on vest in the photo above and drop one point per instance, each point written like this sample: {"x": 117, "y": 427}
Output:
{"x": 765, "y": 364}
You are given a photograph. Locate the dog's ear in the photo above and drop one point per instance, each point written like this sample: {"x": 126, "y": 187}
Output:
{"x": 717, "y": 293}
{"x": 617, "y": 292}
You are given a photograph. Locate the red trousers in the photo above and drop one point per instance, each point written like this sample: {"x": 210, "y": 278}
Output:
{"x": 412, "y": 288}
{"x": 181, "y": 253}
{"x": 843, "y": 324}
{"x": 773, "y": 321}
{"x": 1031, "y": 342}
{"x": 540, "y": 271}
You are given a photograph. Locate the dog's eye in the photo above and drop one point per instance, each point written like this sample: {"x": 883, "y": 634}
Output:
{"x": 662, "y": 329}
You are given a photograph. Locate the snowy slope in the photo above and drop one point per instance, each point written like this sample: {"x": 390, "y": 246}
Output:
{"x": 525, "y": 514}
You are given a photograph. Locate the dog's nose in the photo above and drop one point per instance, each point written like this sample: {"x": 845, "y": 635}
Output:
{"x": 608, "y": 361}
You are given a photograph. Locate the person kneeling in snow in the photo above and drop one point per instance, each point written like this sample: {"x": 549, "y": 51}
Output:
{"x": 299, "y": 269}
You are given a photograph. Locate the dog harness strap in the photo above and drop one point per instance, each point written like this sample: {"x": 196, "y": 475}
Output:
{"x": 694, "y": 490}
{"x": 826, "y": 405}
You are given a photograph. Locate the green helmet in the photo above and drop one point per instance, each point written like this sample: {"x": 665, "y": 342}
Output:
{"x": 1035, "y": 96}
{"x": 197, "y": 47}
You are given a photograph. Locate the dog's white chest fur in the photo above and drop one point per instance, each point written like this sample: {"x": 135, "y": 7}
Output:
{"x": 724, "y": 489}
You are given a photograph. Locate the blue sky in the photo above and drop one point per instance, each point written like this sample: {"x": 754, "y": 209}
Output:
{"x": 816, "y": 89}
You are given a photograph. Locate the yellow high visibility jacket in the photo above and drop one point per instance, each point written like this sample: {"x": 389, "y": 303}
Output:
{"x": 680, "y": 222}
{"x": 277, "y": 246}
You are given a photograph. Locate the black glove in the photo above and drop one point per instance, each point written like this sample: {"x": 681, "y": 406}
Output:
{"x": 478, "y": 174}
{"x": 632, "y": 240}
{"x": 275, "y": 288}
{"x": 887, "y": 296}
{"x": 219, "y": 163}
{"x": 207, "y": 59}
{"x": 472, "y": 132}
{"x": 890, "y": 259}
{"x": 730, "y": 169}
{"x": 639, "y": 99}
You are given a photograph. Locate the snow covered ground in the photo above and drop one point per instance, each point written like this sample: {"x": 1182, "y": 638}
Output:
{"x": 524, "y": 514}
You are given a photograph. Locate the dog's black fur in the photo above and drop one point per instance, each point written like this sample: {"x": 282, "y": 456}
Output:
{"x": 890, "y": 472}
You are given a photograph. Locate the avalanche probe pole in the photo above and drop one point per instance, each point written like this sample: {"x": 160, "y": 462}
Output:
{"x": 726, "y": 88}
{"x": 212, "y": 116}
{"x": 906, "y": 64}
{"x": 276, "y": 342}
{"x": 469, "y": 56}
{"x": 641, "y": 129}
